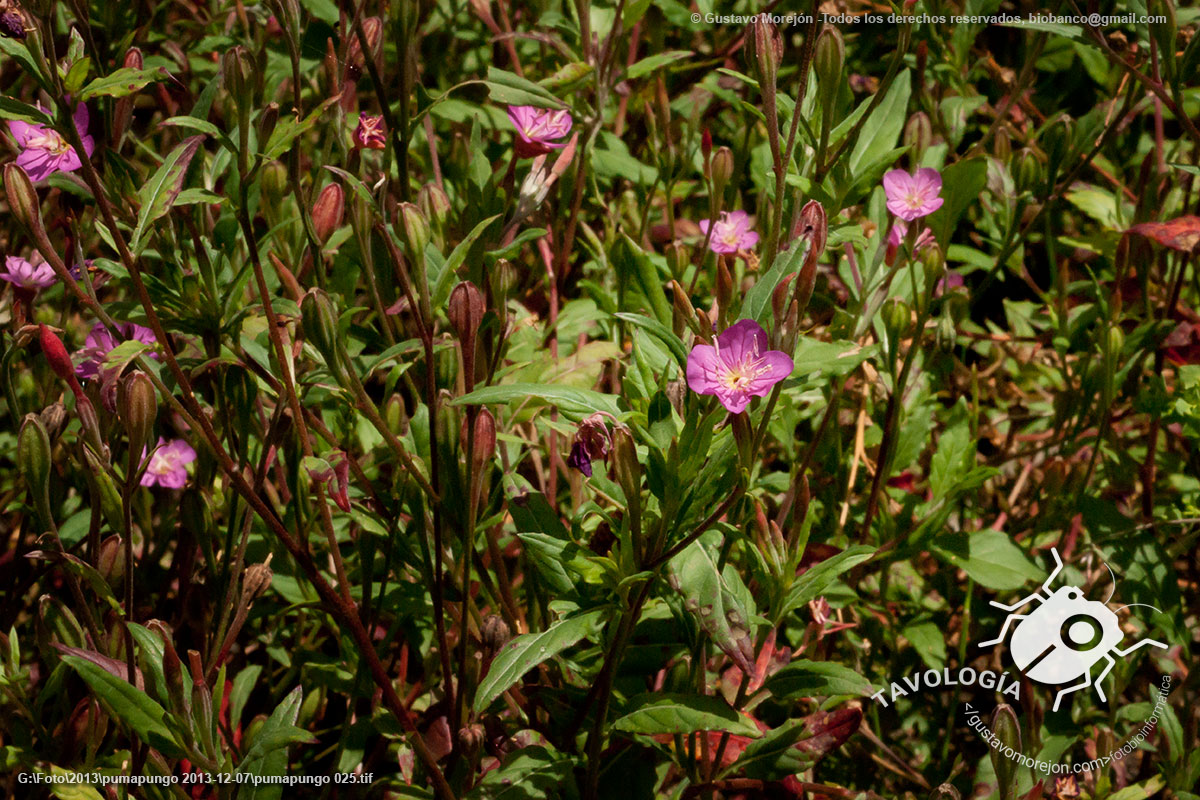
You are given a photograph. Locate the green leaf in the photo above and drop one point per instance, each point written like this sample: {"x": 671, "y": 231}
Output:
{"x": 990, "y": 558}
{"x": 881, "y": 131}
{"x": 509, "y": 89}
{"x": 813, "y": 356}
{"x": 202, "y": 126}
{"x": 659, "y": 331}
{"x": 444, "y": 281}
{"x": 15, "y": 109}
{"x": 122, "y": 82}
{"x": 567, "y": 399}
{"x": 289, "y": 128}
{"x": 806, "y": 678}
{"x": 1140, "y": 791}
{"x": 962, "y": 183}
{"x": 159, "y": 193}
{"x": 523, "y": 653}
{"x": 268, "y": 752}
{"x": 818, "y": 578}
{"x": 758, "y": 300}
{"x": 666, "y": 712}
{"x": 775, "y": 755}
{"x": 629, "y": 258}
{"x": 130, "y": 705}
{"x": 654, "y": 62}
{"x": 693, "y": 573}
{"x": 529, "y": 773}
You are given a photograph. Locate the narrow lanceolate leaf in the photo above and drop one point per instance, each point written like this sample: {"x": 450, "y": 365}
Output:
{"x": 525, "y": 652}
{"x": 159, "y": 193}
{"x": 660, "y": 712}
{"x": 694, "y": 574}
{"x": 567, "y": 399}
{"x": 268, "y": 751}
{"x": 130, "y": 705}
{"x": 797, "y": 744}
{"x": 817, "y": 579}
{"x": 122, "y": 82}
{"x": 805, "y": 678}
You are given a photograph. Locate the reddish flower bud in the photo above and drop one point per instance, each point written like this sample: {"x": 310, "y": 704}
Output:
{"x": 328, "y": 211}
{"x": 111, "y": 561}
{"x": 56, "y": 354}
{"x": 415, "y": 229}
{"x": 22, "y": 199}
{"x": 466, "y": 310}
{"x": 137, "y": 405}
{"x": 484, "y": 446}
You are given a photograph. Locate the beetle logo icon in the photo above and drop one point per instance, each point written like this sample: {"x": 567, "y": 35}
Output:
{"x": 1065, "y": 635}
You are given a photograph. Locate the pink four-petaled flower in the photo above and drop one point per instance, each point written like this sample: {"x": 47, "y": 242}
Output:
{"x": 168, "y": 464}
{"x": 538, "y": 129}
{"x": 45, "y": 151}
{"x": 738, "y": 367}
{"x": 913, "y": 196}
{"x": 27, "y": 275}
{"x": 731, "y": 233}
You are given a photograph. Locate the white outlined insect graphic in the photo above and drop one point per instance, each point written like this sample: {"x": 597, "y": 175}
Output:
{"x": 1065, "y": 635}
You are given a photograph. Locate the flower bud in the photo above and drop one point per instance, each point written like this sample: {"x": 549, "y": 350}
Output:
{"x": 22, "y": 199}
{"x": 678, "y": 258}
{"x": 33, "y": 459}
{"x": 918, "y": 135}
{"x": 494, "y": 633}
{"x": 705, "y": 146}
{"x": 56, "y": 354}
{"x": 320, "y": 324}
{"x": 829, "y": 59}
{"x": 267, "y": 121}
{"x": 256, "y": 579}
{"x": 625, "y": 464}
{"x": 274, "y": 186}
{"x": 946, "y": 334}
{"x": 945, "y": 792}
{"x": 813, "y": 227}
{"x": 766, "y": 49}
{"x": 722, "y": 169}
{"x": 896, "y": 318}
{"x": 1029, "y": 171}
{"x": 328, "y": 211}
{"x": 237, "y": 70}
{"x": 137, "y": 404}
{"x": 1002, "y": 145}
{"x": 683, "y": 308}
{"x": 12, "y": 26}
{"x": 1008, "y": 731}
{"x": 483, "y": 448}
{"x": 102, "y": 483}
{"x": 779, "y": 297}
{"x": 466, "y": 310}
{"x": 177, "y": 695}
{"x": 435, "y": 205}
{"x": 934, "y": 265}
{"x": 373, "y": 32}
{"x": 504, "y": 277}
{"x": 123, "y": 111}
{"x": 724, "y": 285}
{"x": 110, "y": 563}
{"x": 415, "y": 230}
{"x": 471, "y": 737}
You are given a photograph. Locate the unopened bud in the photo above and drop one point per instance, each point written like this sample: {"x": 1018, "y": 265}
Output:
{"x": 237, "y": 69}
{"x": 471, "y": 737}
{"x": 918, "y": 135}
{"x": 705, "y": 146}
{"x": 1029, "y": 171}
{"x": 934, "y": 265}
{"x": 33, "y": 459}
{"x": 945, "y": 792}
{"x": 813, "y": 228}
{"x": 896, "y": 317}
{"x": 466, "y": 310}
{"x": 110, "y": 563}
{"x": 320, "y": 323}
{"x": 483, "y": 448}
{"x": 683, "y": 308}
{"x": 829, "y": 59}
{"x": 373, "y": 33}
{"x": 1006, "y": 728}
{"x": 267, "y": 121}
{"x": 766, "y": 49}
{"x": 123, "y": 111}
{"x": 328, "y": 211}
{"x": 724, "y": 285}
{"x": 22, "y": 199}
{"x": 625, "y": 464}
{"x": 56, "y": 354}
{"x": 102, "y": 483}
{"x": 779, "y": 297}
{"x": 722, "y": 169}
{"x": 137, "y": 403}
{"x": 415, "y": 230}
{"x": 678, "y": 258}
{"x": 173, "y": 675}
{"x": 494, "y": 633}
{"x": 435, "y": 204}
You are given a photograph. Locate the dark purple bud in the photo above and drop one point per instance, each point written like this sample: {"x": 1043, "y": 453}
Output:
{"x": 579, "y": 459}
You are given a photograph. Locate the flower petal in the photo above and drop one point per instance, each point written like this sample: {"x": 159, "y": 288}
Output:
{"x": 742, "y": 340}
{"x": 896, "y": 184}
{"x": 704, "y": 369}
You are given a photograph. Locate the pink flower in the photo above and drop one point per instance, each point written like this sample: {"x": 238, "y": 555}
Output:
{"x": 99, "y": 342}
{"x": 168, "y": 464}
{"x": 28, "y": 275}
{"x": 738, "y": 367}
{"x": 538, "y": 128}
{"x": 45, "y": 151}
{"x": 369, "y": 133}
{"x": 900, "y": 230}
{"x": 914, "y": 196}
{"x": 731, "y": 233}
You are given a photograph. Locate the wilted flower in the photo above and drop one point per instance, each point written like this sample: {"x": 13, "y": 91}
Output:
{"x": 900, "y": 230}
{"x": 538, "y": 128}
{"x": 100, "y": 342}
{"x": 369, "y": 133}
{"x": 731, "y": 233}
{"x": 592, "y": 443}
{"x": 44, "y": 151}
{"x": 12, "y": 26}
{"x": 168, "y": 464}
{"x": 913, "y": 196}
{"x": 27, "y": 274}
{"x": 1066, "y": 787}
{"x": 738, "y": 367}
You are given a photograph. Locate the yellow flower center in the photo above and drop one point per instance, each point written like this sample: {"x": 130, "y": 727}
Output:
{"x": 50, "y": 140}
